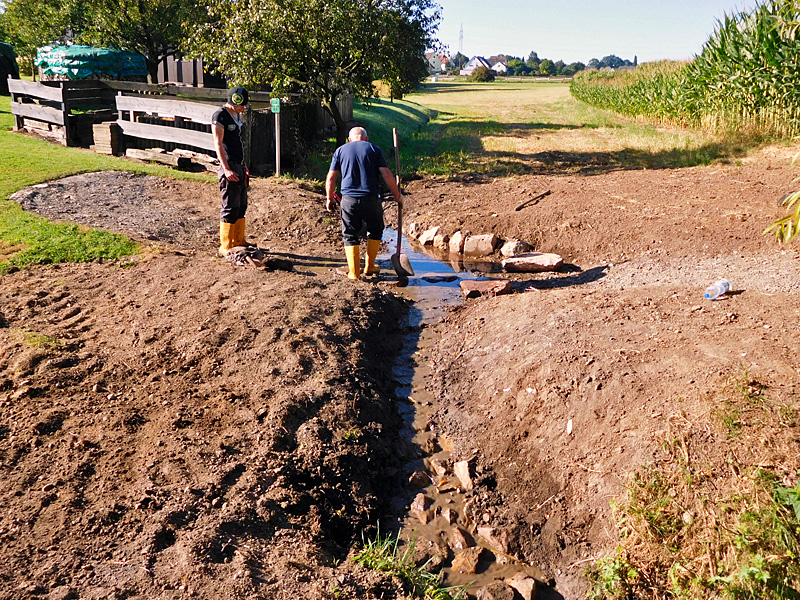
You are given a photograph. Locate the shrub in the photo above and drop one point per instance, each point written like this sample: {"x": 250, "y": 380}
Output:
{"x": 482, "y": 74}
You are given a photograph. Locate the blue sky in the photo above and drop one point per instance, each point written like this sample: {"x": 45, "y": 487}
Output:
{"x": 583, "y": 29}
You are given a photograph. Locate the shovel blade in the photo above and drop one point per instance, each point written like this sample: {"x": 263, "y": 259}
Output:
{"x": 402, "y": 266}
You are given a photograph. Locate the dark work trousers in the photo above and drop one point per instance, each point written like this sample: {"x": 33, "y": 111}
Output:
{"x": 357, "y": 212}
{"x": 234, "y": 195}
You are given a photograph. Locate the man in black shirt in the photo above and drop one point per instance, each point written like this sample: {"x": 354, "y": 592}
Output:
{"x": 226, "y": 124}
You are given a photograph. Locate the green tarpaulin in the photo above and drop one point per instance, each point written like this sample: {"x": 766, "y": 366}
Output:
{"x": 79, "y": 62}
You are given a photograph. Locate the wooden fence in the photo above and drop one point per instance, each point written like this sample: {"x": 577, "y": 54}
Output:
{"x": 168, "y": 116}
{"x": 66, "y": 110}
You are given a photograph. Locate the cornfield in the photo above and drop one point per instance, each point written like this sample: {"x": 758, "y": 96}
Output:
{"x": 747, "y": 78}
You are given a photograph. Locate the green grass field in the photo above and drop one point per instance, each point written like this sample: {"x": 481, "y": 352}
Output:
{"x": 504, "y": 128}
{"x": 27, "y": 239}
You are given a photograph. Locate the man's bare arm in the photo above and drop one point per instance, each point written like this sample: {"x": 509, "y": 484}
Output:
{"x": 219, "y": 131}
{"x": 330, "y": 189}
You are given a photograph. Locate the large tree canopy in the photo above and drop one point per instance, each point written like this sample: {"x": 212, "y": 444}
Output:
{"x": 151, "y": 27}
{"x": 154, "y": 28}
{"x": 318, "y": 48}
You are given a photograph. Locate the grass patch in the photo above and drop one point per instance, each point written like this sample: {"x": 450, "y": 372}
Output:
{"x": 385, "y": 554}
{"x": 32, "y": 339}
{"x": 26, "y": 239}
{"x": 717, "y": 513}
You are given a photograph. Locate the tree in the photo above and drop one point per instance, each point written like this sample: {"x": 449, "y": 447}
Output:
{"x": 593, "y": 64}
{"x": 615, "y": 62}
{"x": 533, "y": 61}
{"x": 482, "y": 74}
{"x": 573, "y": 68}
{"x": 558, "y": 67}
{"x": 31, "y": 24}
{"x": 517, "y": 67}
{"x": 319, "y": 49}
{"x": 153, "y": 28}
{"x": 458, "y": 60}
{"x": 546, "y": 67}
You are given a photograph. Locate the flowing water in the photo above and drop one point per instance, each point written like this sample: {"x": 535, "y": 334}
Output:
{"x": 434, "y": 287}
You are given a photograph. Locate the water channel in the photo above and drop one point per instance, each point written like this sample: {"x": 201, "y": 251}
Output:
{"x": 443, "y": 522}
{"x": 434, "y": 287}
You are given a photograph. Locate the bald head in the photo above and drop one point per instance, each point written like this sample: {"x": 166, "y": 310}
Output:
{"x": 358, "y": 134}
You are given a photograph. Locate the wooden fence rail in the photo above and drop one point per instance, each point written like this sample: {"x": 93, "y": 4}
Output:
{"x": 166, "y": 115}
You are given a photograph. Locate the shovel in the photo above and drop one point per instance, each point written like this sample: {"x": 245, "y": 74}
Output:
{"x": 400, "y": 262}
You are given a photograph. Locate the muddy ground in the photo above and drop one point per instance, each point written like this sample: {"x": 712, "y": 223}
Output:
{"x": 173, "y": 426}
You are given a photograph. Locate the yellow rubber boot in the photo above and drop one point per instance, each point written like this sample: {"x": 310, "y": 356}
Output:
{"x": 226, "y": 232}
{"x": 237, "y": 233}
{"x": 353, "y": 254}
{"x": 372, "y": 253}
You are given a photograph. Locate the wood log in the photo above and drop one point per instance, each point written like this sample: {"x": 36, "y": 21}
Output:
{"x": 160, "y": 157}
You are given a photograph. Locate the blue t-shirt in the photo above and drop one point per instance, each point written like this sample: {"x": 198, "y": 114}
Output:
{"x": 359, "y": 162}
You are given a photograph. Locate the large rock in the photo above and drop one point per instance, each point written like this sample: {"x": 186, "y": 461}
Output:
{"x": 462, "y": 471}
{"x": 420, "y": 508}
{"x": 498, "y": 539}
{"x": 524, "y": 585}
{"x": 441, "y": 241}
{"x": 461, "y": 539}
{"x": 491, "y": 287}
{"x": 457, "y": 243}
{"x": 426, "y": 239}
{"x": 480, "y": 245}
{"x": 467, "y": 560}
{"x": 497, "y": 590}
{"x": 533, "y": 262}
{"x": 514, "y": 248}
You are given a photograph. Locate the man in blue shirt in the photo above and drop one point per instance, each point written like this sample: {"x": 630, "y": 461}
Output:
{"x": 360, "y": 164}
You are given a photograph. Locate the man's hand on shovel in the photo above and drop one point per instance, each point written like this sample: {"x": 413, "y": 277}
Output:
{"x": 334, "y": 202}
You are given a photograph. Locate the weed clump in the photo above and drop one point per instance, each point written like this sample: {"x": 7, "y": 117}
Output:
{"x": 717, "y": 513}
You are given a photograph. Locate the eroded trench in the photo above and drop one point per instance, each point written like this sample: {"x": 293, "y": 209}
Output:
{"x": 432, "y": 512}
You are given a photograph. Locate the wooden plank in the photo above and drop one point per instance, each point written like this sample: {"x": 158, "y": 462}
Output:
{"x": 196, "y": 111}
{"x": 161, "y": 157}
{"x": 37, "y": 90}
{"x": 38, "y": 112}
{"x": 189, "y": 137}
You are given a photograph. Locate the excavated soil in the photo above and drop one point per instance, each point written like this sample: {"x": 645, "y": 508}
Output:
{"x": 173, "y": 426}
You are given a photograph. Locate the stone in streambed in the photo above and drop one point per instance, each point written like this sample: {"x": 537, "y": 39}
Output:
{"x": 420, "y": 508}
{"x": 491, "y": 287}
{"x": 524, "y": 585}
{"x": 497, "y": 590}
{"x": 480, "y": 245}
{"x": 457, "y": 243}
{"x": 514, "y": 248}
{"x": 533, "y": 262}
{"x": 426, "y": 239}
{"x": 467, "y": 561}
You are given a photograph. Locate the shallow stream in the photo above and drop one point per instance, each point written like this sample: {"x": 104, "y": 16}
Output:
{"x": 433, "y": 288}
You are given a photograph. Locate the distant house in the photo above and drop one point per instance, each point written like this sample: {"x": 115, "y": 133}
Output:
{"x": 437, "y": 63}
{"x": 474, "y": 63}
{"x": 499, "y": 68}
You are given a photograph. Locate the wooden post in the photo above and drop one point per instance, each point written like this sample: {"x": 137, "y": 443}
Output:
{"x": 19, "y": 122}
{"x": 65, "y": 113}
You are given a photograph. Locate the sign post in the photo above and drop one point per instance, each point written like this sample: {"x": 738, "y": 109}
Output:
{"x": 275, "y": 105}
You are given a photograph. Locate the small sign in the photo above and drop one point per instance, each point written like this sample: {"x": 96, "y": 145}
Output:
{"x": 275, "y": 104}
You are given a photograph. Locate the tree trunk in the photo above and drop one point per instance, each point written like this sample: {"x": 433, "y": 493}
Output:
{"x": 152, "y": 70}
{"x": 329, "y": 104}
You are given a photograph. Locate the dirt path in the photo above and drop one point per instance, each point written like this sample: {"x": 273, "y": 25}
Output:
{"x": 183, "y": 428}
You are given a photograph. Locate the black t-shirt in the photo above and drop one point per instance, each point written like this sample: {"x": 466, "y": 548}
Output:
{"x": 231, "y": 139}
